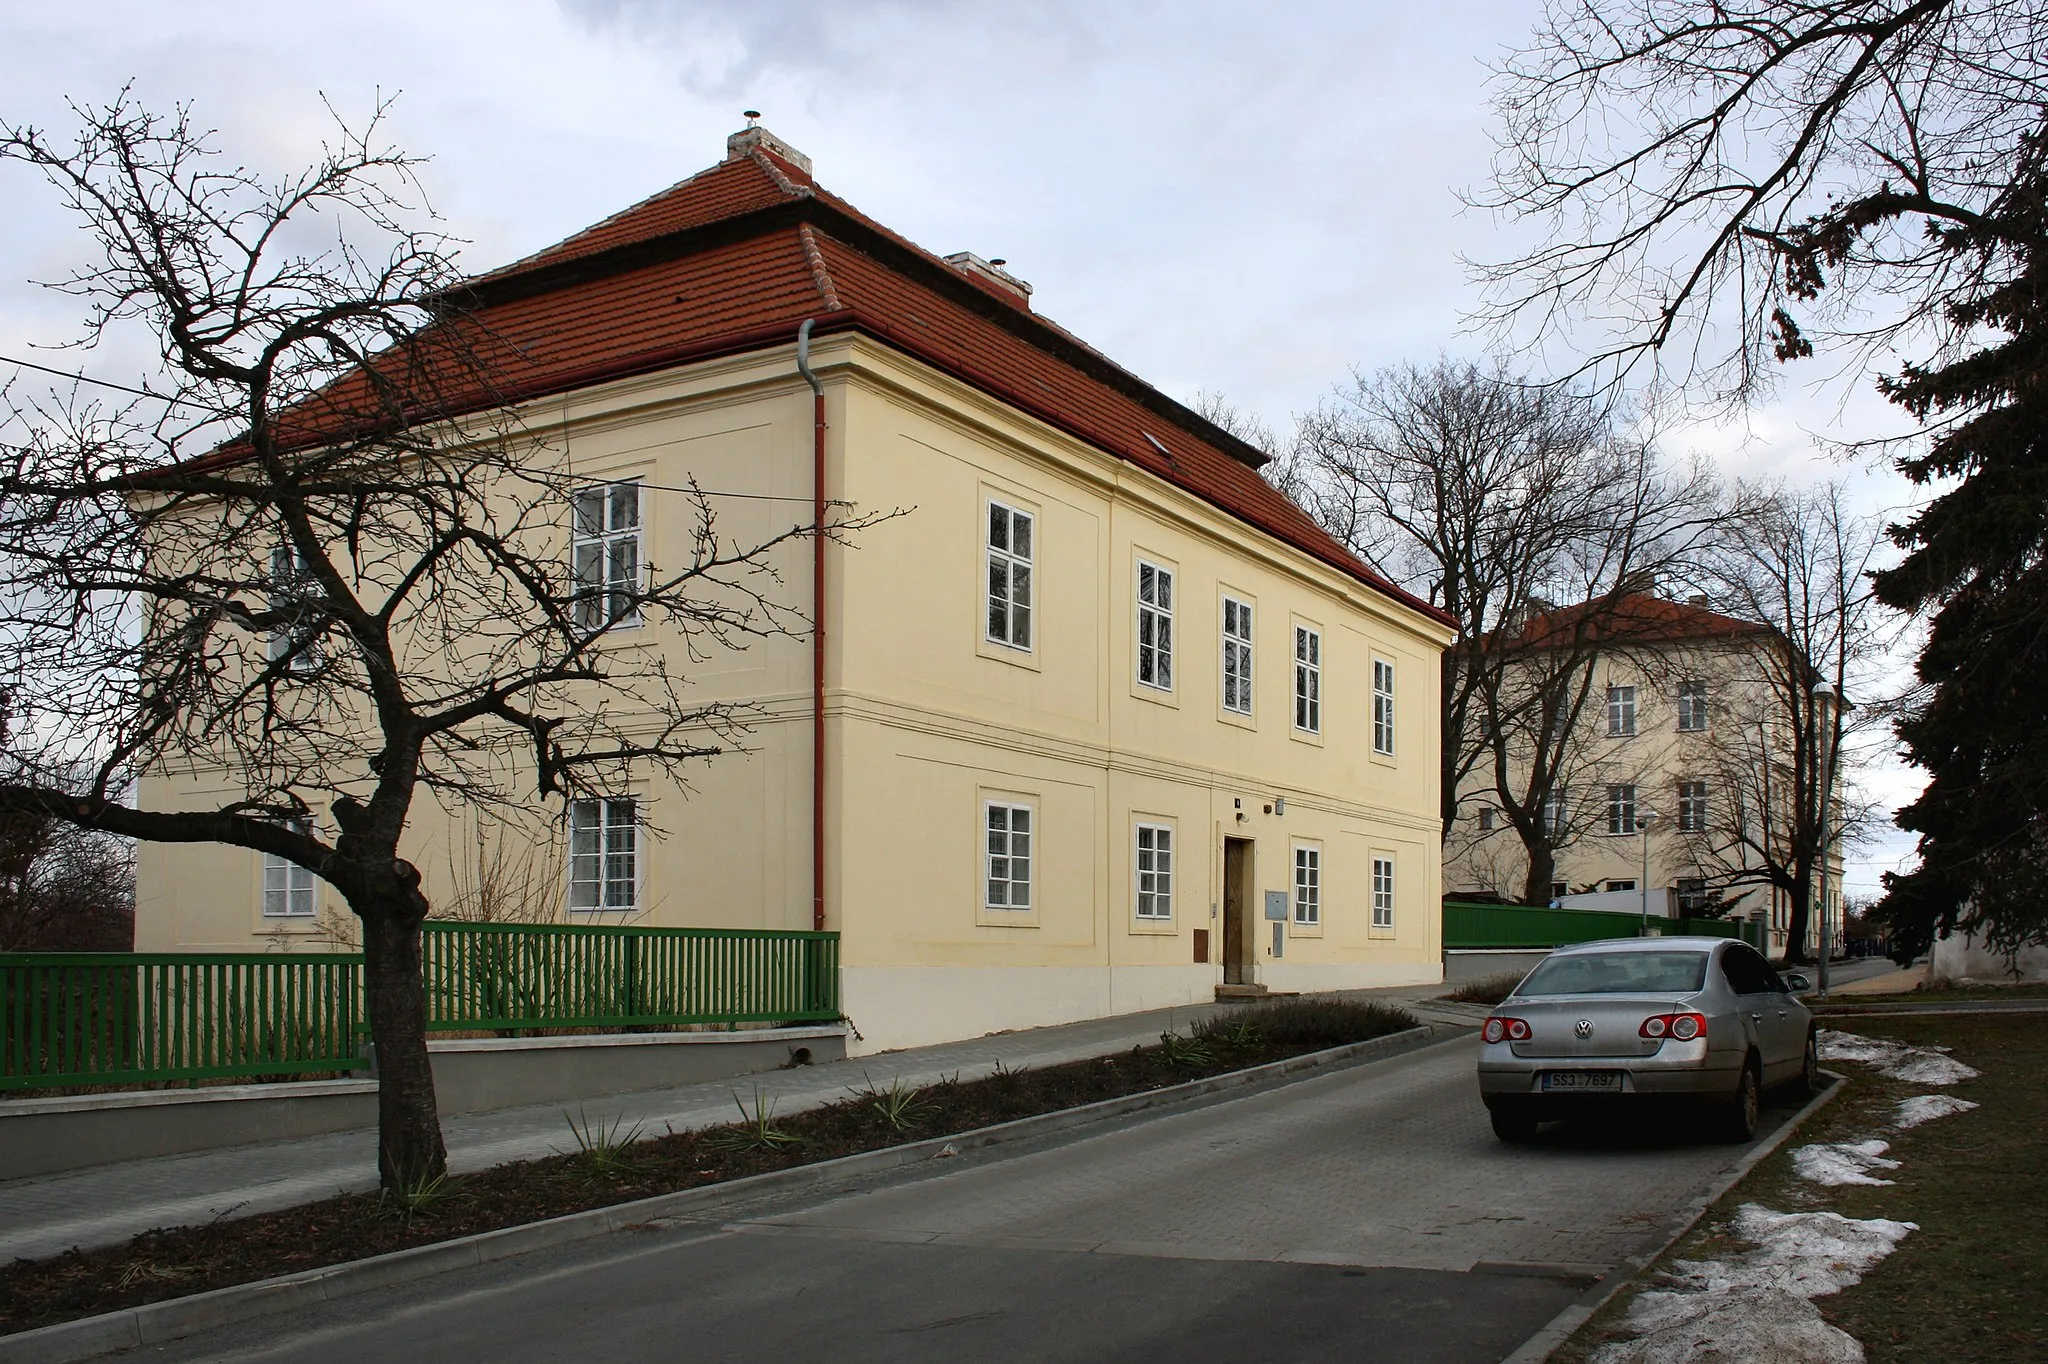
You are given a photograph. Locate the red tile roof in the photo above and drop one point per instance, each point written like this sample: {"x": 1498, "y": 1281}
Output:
{"x": 734, "y": 258}
{"x": 1636, "y": 618}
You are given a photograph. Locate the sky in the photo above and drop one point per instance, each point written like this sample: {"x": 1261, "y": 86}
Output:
{"x": 1247, "y": 199}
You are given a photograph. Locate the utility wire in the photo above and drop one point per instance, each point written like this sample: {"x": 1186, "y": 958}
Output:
{"x": 145, "y": 393}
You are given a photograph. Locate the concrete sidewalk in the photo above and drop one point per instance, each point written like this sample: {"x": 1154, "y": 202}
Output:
{"x": 46, "y": 1214}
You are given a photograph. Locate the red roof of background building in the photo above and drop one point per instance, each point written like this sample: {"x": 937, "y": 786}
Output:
{"x": 1635, "y": 618}
{"x": 736, "y": 257}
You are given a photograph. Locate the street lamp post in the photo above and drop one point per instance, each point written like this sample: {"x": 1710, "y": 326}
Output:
{"x": 1644, "y": 818}
{"x": 1823, "y": 759}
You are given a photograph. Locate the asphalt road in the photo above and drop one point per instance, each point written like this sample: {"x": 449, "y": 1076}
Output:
{"x": 1367, "y": 1214}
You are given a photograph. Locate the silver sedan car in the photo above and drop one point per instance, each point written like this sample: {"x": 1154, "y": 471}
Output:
{"x": 1631, "y": 1020}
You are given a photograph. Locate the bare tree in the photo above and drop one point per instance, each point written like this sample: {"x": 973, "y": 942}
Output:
{"x": 1793, "y": 722}
{"x": 321, "y": 562}
{"x": 1497, "y": 499}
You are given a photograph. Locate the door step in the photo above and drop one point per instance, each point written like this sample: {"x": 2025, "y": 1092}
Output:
{"x": 1243, "y": 992}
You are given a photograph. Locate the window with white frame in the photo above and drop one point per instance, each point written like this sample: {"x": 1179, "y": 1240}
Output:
{"x": 1613, "y": 886}
{"x": 1237, "y": 656}
{"x": 1557, "y": 811}
{"x": 1692, "y": 807}
{"x": 1155, "y": 872}
{"x": 604, "y": 854}
{"x": 1621, "y": 809}
{"x": 1692, "y": 705}
{"x": 1308, "y": 680}
{"x": 605, "y": 555}
{"x": 1382, "y": 706}
{"x": 289, "y": 890}
{"x": 1010, "y": 539}
{"x": 1308, "y": 886}
{"x": 1621, "y": 712}
{"x": 1383, "y": 892}
{"x": 1008, "y": 866}
{"x": 1155, "y": 626}
{"x": 1692, "y": 894}
{"x": 294, "y": 640}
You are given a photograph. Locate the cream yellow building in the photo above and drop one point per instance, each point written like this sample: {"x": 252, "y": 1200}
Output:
{"x": 1108, "y": 723}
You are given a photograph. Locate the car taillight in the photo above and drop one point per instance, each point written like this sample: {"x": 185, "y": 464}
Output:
{"x": 1513, "y": 1029}
{"x": 1684, "y": 1027}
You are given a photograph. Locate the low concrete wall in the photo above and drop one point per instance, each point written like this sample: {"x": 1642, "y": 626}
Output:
{"x": 1476, "y": 963}
{"x": 1959, "y": 958}
{"x": 44, "y": 1136}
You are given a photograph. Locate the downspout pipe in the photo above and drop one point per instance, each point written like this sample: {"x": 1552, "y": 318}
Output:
{"x": 803, "y": 367}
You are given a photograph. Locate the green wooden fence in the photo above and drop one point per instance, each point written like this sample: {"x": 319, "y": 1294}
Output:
{"x": 1469, "y": 925}
{"x": 98, "y": 1018}
{"x": 102, "y": 1018}
{"x": 519, "y": 976}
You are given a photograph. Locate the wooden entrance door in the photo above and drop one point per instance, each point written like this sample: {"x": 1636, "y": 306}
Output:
{"x": 1237, "y": 907}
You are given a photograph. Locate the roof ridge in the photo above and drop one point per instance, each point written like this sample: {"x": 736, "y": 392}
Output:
{"x": 775, "y": 173}
{"x": 819, "y": 274}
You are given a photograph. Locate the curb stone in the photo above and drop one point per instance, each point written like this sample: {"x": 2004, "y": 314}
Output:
{"x": 160, "y": 1322}
{"x": 1561, "y": 1327}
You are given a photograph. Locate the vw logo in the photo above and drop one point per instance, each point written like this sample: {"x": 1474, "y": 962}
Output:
{"x": 1584, "y": 1028}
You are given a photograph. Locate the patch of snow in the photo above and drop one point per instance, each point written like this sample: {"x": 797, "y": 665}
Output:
{"x": 1848, "y": 1162}
{"x": 1914, "y": 1065}
{"x": 1927, "y": 1107}
{"x": 1755, "y": 1306}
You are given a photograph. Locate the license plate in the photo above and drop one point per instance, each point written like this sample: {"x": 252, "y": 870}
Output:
{"x": 1589, "y": 1081}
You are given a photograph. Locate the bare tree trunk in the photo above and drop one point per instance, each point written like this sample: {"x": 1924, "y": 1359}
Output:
{"x": 1542, "y": 871}
{"x": 410, "y": 1152}
{"x": 1796, "y": 923}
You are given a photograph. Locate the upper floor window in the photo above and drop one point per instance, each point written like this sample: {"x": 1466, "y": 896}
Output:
{"x": 604, "y": 854}
{"x": 1692, "y": 806}
{"x": 1010, "y": 536}
{"x": 605, "y": 554}
{"x": 1009, "y": 856}
{"x": 1308, "y": 680}
{"x": 294, "y": 640}
{"x": 1383, "y": 892}
{"x": 1155, "y": 626}
{"x": 1308, "y": 886}
{"x": 1692, "y": 705}
{"x": 1155, "y": 871}
{"x": 1382, "y": 706}
{"x": 1557, "y": 812}
{"x": 1621, "y": 711}
{"x": 1621, "y": 809}
{"x": 1486, "y": 818}
{"x": 290, "y": 891}
{"x": 1237, "y": 656}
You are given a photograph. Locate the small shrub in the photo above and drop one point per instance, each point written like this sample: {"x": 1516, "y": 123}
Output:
{"x": 408, "y": 1201}
{"x": 1187, "y": 1052}
{"x": 600, "y": 1145}
{"x": 1487, "y": 990}
{"x": 901, "y": 1106}
{"x": 1311, "y": 1023}
{"x": 756, "y": 1130}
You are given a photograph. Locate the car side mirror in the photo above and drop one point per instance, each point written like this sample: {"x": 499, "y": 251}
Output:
{"x": 1798, "y": 982}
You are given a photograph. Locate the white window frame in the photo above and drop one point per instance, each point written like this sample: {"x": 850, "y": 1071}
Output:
{"x": 606, "y": 552}
{"x": 1383, "y": 707}
{"x": 1238, "y": 632}
{"x": 1692, "y": 807}
{"x": 1011, "y": 575}
{"x": 1308, "y": 679}
{"x": 1152, "y": 871}
{"x": 1008, "y": 857}
{"x": 1621, "y": 809}
{"x": 604, "y": 854}
{"x": 290, "y": 891}
{"x": 1692, "y": 706}
{"x": 1307, "y": 897}
{"x": 1382, "y": 893}
{"x": 298, "y": 650}
{"x": 1615, "y": 887}
{"x": 1557, "y": 811}
{"x": 1155, "y": 625}
{"x": 1621, "y": 712}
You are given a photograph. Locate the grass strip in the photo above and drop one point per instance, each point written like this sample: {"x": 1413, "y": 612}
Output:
{"x": 604, "y": 1165}
{"x": 1965, "y": 1287}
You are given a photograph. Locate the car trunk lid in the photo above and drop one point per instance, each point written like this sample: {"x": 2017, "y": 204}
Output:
{"x": 1588, "y": 1025}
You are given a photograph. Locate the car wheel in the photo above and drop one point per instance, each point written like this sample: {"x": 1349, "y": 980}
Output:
{"x": 1740, "y": 1118}
{"x": 1513, "y": 1122}
{"x": 1809, "y": 1069}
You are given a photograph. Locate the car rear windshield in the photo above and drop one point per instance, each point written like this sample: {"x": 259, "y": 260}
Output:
{"x": 1609, "y": 973}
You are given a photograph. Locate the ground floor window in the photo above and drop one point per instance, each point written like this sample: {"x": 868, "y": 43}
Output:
{"x": 1621, "y": 885}
{"x": 1009, "y": 856}
{"x": 1308, "y": 886}
{"x": 604, "y": 854}
{"x": 289, "y": 890}
{"x": 1383, "y": 892}
{"x": 1155, "y": 871}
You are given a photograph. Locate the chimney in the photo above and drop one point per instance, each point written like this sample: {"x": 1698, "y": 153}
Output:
{"x": 754, "y": 137}
{"x": 967, "y": 263}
